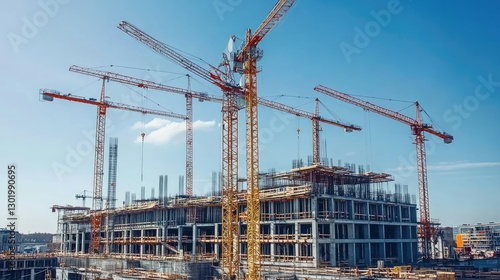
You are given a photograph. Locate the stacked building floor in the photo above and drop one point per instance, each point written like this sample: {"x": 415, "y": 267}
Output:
{"x": 311, "y": 217}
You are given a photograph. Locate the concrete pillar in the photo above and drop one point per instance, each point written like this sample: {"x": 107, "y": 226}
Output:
{"x": 272, "y": 230}
{"x": 141, "y": 247}
{"x": 333, "y": 254}
{"x": 315, "y": 251}
{"x": 77, "y": 241}
{"x": 195, "y": 236}
{"x": 295, "y": 208}
{"x": 164, "y": 238}
{"x": 382, "y": 250}
{"x": 401, "y": 251}
{"x": 271, "y": 208}
{"x": 32, "y": 274}
{"x": 296, "y": 237}
{"x": 158, "y": 246}
{"x": 83, "y": 242}
{"x": 179, "y": 238}
{"x": 314, "y": 207}
{"x": 350, "y": 210}
{"x": 351, "y": 249}
{"x": 367, "y": 210}
{"x": 216, "y": 246}
{"x": 368, "y": 253}
{"x": 112, "y": 235}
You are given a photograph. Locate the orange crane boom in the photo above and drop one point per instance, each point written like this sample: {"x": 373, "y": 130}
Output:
{"x": 49, "y": 95}
{"x": 96, "y": 217}
{"x": 426, "y": 229}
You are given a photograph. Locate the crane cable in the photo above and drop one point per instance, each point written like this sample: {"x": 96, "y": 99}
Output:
{"x": 143, "y": 134}
{"x": 298, "y": 142}
{"x": 368, "y": 141}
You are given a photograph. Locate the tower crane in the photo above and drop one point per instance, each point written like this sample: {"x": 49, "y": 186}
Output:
{"x": 83, "y": 197}
{"x": 426, "y": 227}
{"x": 102, "y": 105}
{"x": 246, "y": 57}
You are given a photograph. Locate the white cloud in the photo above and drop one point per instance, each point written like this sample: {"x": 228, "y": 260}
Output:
{"x": 155, "y": 123}
{"x": 164, "y": 131}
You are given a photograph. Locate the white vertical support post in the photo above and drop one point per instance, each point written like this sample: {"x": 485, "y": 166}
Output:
{"x": 195, "y": 236}
{"x": 141, "y": 247}
{"x": 179, "y": 238}
{"x": 77, "y": 241}
{"x": 83, "y": 242}
{"x": 217, "y": 244}
{"x": 296, "y": 238}
{"x": 272, "y": 230}
{"x": 315, "y": 245}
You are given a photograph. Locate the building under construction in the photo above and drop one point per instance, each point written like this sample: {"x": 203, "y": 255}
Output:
{"x": 311, "y": 217}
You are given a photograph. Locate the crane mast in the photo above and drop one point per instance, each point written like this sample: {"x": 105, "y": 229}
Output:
{"x": 315, "y": 138}
{"x": 96, "y": 219}
{"x": 426, "y": 227}
{"x": 189, "y": 140}
{"x": 248, "y": 57}
{"x": 102, "y": 105}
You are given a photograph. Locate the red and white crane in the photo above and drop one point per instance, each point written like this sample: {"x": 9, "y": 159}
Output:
{"x": 102, "y": 105}
{"x": 426, "y": 227}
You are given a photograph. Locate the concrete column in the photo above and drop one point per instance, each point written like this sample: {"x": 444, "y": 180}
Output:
{"x": 333, "y": 254}
{"x": 112, "y": 238}
{"x": 382, "y": 250}
{"x": 141, "y": 247}
{"x": 271, "y": 208}
{"x": 217, "y": 245}
{"x": 77, "y": 241}
{"x": 296, "y": 237}
{"x": 368, "y": 253}
{"x": 83, "y": 242}
{"x": 351, "y": 249}
{"x": 295, "y": 208}
{"x": 158, "y": 246}
{"x": 164, "y": 236}
{"x": 401, "y": 251}
{"x": 367, "y": 211}
{"x": 350, "y": 209}
{"x": 315, "y": 245}
{"x": 195, "y": 236}
{"x": 272, "y": 227}
{"x": 179, "y": 238}
{"x": 314, "y": 207}
{"x": 32, "y": 274}
{"x": 124, "y": 246}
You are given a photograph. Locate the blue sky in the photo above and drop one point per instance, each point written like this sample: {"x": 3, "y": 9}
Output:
{"x": 443, "y": 54}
